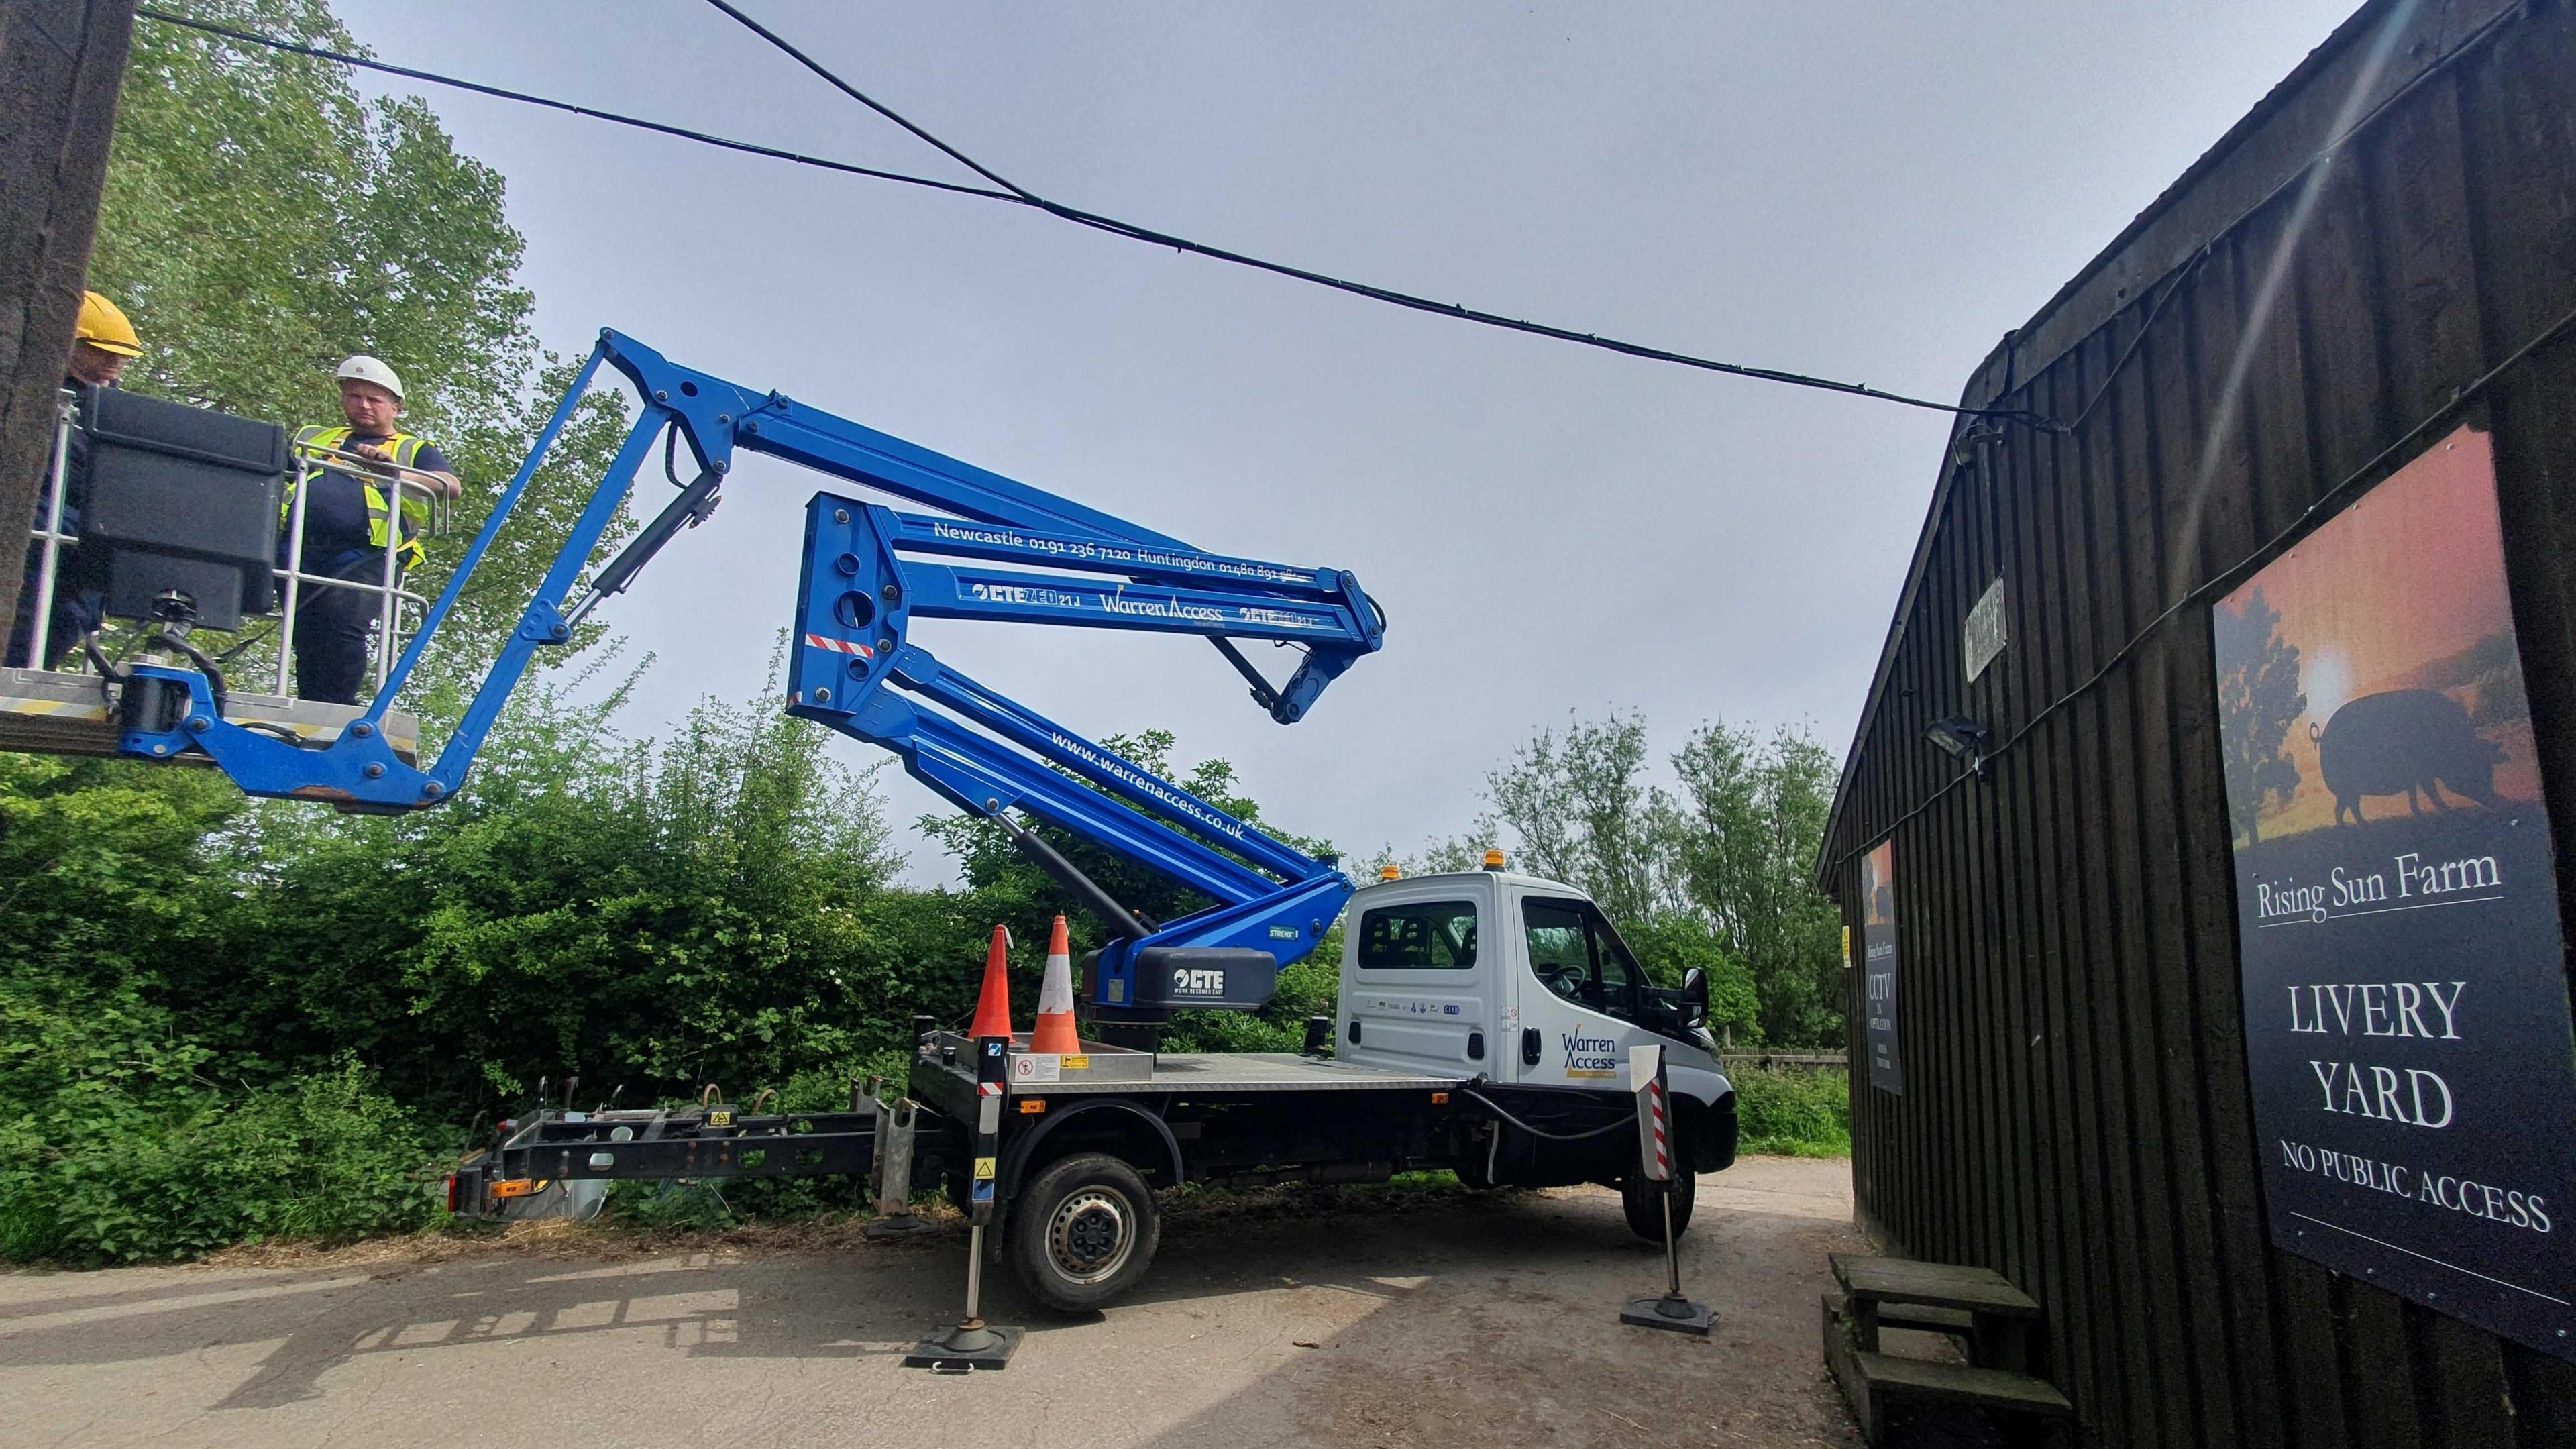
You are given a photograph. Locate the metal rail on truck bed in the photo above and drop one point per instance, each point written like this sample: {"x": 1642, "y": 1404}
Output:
{"x": 1214, "y": 1073}
{"x": 949, "y": 1079}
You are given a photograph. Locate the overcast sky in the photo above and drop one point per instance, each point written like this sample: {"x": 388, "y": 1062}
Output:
{"x": 1874, "y": 193}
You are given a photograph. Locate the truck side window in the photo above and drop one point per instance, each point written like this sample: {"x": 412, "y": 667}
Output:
{"x": 1574, "y": 954}
{"x": 1560, "y": 950}
{"x": 1419, "y": 936}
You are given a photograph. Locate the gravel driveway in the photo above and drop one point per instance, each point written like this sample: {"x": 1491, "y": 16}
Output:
{"x": 1457, "y": 1320}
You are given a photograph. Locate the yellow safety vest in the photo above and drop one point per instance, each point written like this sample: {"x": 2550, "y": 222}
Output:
{"x": 415, "y": 509}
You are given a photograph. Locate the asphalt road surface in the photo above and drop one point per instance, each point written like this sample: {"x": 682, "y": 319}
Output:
{"x": 1460, "y": 1320}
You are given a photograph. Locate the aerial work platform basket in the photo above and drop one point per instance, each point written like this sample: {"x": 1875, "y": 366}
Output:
{"x": 178, "y": 511}
{"x": 56, "y": 712}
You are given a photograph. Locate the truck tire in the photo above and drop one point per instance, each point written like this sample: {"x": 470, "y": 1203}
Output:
{"x": 1646, "y": 1216}
{"x": 1083, "y": 1232}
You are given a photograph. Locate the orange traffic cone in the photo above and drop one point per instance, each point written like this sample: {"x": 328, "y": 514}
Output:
{"x": 993, "y": 1007}
{"x": 1055, "y": 1031}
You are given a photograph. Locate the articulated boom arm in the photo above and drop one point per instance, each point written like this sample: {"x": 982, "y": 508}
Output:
{"x": 999, "y": 550}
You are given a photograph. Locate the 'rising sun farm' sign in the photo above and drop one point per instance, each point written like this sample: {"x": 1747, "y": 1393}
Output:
{"x": 2406, "y": 1018}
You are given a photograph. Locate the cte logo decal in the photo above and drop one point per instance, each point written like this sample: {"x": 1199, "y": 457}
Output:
{"x": 1188, "y": 982}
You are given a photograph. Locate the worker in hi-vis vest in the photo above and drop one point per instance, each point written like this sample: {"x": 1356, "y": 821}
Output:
{"x": 352, "y": 510}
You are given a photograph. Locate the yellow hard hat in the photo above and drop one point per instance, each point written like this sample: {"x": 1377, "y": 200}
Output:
{"x": 103, "y": 326}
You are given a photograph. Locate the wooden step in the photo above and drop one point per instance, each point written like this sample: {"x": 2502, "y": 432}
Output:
{"x": 1955, "y": 1321}
{"x": 1932, "y": 1285}
{"x": 1958, "y": 1322}
{"x": 1878, "y": 1385}
{"x": 1961, "y": 1384}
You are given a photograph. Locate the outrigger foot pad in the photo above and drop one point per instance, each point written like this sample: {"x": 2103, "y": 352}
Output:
{"x": 903, "y": 1225}
{"x": 1661, "y": 1311}
{"x": 969, "y": 1346}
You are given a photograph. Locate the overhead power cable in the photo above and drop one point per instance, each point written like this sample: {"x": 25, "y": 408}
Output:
{"x": 1004, "y": 190}
{"x": 753, "y": 148}
{"x": 1134, "y": 232}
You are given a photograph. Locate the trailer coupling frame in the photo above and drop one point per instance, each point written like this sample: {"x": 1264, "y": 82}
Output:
{"x": 697, "y": 1143}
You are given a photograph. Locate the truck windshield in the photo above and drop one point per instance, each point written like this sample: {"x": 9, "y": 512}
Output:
{"x": 1574, "y": 955}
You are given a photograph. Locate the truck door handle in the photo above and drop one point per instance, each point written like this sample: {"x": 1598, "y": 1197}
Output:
{"x": 1355, "y": 1031}
{"x": 1529, "y": 1046}
{"x": 1475, "y": 1046}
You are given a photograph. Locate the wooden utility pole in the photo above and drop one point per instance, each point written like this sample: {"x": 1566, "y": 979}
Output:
{"x": 61, "y": 62}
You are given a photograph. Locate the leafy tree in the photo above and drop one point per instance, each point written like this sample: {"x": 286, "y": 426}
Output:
{"x": 1672, "y": 944}
{"x": 1745, "y": 836}
{"x": 1716, "y": 877}
{"x": 1585, "y": 815}
{"x": 2258, "y": 700}
{"x": 199, "y": 992}
{"x": 262, "y": 220}
{"x": 1437, "y": 856}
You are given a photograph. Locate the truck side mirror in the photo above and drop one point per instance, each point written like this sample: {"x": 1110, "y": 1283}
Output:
{"x": 1695, "y": 996}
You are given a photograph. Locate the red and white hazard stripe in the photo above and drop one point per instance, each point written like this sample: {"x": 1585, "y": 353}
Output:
{"x": 840, "y": 646}
{"x": 988, "y": 1089}
{"x": 1663, "y": 1137}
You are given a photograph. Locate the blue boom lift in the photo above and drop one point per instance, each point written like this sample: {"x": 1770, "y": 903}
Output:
{"x": 1005, "y": 551}
{"x": 1481, "y": 1017}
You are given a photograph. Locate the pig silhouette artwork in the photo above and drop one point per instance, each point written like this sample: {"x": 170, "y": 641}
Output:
{"x": 2409, "y": 742}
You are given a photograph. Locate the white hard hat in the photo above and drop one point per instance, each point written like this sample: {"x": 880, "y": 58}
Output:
{"x": 369, "y": 369}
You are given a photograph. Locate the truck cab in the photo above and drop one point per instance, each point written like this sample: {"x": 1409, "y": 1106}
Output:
{"x": 1522, "y": 981}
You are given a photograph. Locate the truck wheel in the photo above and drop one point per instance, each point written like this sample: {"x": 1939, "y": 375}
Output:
{"x": 1083, "y": 1232}
{"x": 1646, "y": 1216}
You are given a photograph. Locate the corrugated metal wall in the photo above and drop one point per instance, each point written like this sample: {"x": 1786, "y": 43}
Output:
{"x": 2076, "y": 1107}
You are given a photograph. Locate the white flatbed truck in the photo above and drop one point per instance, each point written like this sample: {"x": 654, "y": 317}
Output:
{"x": 1482, "y": 1026}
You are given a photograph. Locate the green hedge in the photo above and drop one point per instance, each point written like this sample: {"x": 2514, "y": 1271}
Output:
{"x": 126, "y": 1164}
{"x": 1795, "y": 1113}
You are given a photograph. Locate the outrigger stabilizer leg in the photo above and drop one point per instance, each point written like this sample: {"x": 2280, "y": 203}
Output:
{"x": 972, "y": 1343}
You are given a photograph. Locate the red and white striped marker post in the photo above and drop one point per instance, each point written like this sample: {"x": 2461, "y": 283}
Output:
{"x": 1655, "y": 1159}
{"x": 1654, "y": 1113}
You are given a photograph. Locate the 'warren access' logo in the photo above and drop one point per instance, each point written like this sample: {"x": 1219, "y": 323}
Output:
{"x": 1590, "y": 1056}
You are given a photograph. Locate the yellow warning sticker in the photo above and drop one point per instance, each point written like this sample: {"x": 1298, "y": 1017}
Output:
{"x": 983, "y": 1168}
{"x": 1077, "y": 1064}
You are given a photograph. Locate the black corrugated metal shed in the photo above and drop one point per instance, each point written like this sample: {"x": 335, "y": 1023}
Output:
{"x": 2076, "y": 1110}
